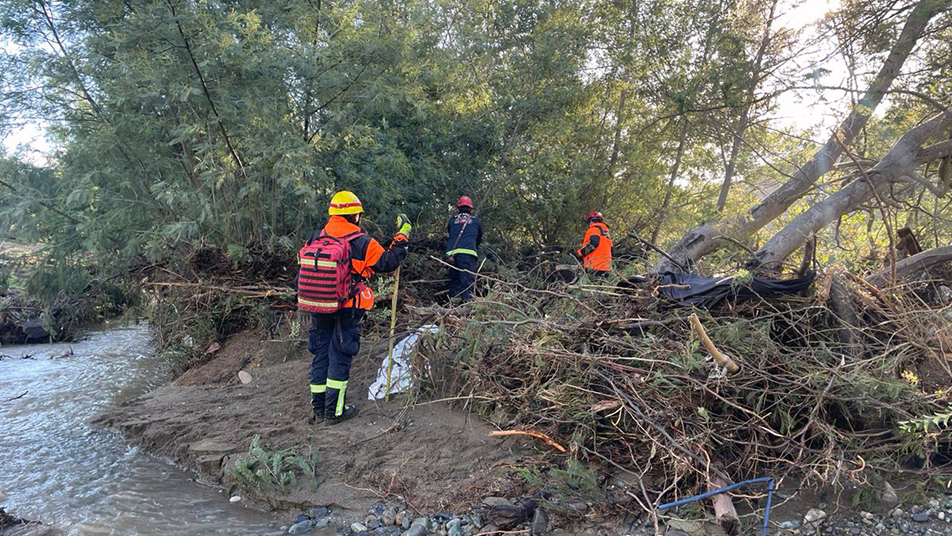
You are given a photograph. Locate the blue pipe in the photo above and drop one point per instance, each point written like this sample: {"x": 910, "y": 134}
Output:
{"x": 766, "y": 479}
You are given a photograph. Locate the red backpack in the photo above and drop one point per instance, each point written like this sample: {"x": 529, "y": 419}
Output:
{"x": 325, "y": 276}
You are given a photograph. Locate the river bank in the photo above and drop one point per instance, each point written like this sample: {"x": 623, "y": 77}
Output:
{"x": 396, "y": 464}
{"x": 432, "y": 456}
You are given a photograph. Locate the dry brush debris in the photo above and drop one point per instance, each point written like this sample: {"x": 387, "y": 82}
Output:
{"x": 824, "y": 388}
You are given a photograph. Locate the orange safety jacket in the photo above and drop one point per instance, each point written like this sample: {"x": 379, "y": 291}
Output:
{"x": 596, "y": 250}
{"x": 367, "y": 257}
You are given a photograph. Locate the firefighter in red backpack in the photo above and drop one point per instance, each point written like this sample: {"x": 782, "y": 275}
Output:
{"x": 596, "y": 250}
{"x": 335, "y": 265}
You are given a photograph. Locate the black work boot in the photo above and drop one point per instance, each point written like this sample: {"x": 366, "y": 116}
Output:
{"x": 317, "y": 403}
{"x": 317, "y": 417}
{"x": 349, "y": 411}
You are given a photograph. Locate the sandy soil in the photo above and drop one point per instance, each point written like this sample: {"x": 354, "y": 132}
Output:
{"x": 432, "y": 456}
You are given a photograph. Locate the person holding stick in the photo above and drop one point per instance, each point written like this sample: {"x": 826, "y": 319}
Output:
{"x": 335, "y": 265}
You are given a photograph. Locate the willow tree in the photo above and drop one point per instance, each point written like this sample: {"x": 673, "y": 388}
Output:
{"x": 705, "y": 238}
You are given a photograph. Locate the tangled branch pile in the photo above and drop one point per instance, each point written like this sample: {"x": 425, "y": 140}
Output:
{"x": 832, "y": 387}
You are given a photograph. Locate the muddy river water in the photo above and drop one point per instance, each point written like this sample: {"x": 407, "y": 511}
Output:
{"x": 83, "y": 480}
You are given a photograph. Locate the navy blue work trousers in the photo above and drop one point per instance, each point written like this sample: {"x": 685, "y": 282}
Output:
{"x": 334, "y": 340}
{"x": 462, "y": 278}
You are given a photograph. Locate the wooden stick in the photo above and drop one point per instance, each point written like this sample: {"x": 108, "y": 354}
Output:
{"x": 393, "y": 325}
{"x": 721, "y": 359}
{"x": 537, "y": 435}
{"x": 723, "y": 507}
{"x": 263, "y": 293}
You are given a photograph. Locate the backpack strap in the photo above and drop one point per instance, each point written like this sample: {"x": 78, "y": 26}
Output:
{"x": 346, "y": 238}
{"x": 352, "y": 236}
{"x": 460, "y": 235}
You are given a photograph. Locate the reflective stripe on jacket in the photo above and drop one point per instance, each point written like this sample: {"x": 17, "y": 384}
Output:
{"x": 596, "y": 250}
{"x": 367, "y": 257}
{"x": 464, "y": 234}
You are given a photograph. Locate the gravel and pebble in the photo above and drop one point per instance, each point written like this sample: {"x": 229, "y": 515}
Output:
{"x": 931, "y": 519}
{"x": 393, "y": 520}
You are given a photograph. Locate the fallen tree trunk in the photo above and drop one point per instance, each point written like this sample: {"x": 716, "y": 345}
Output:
{"x": 900, "y": 161}
{"x": 914, "y": 264}
{"x": 704, "y": 239}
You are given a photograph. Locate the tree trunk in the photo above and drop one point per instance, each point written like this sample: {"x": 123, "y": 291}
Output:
{"x": 732, "y": 162}
{"x": 744, "y": 122}
{"x": 663, "y": 212}
{"x": 616, "y": 142}
{"x": 703, "y": 240}
{"x": 900, "y": 161}
{"x": 914, "y": 264}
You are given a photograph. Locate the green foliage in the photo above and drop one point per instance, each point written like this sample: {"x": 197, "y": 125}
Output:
{"x": 6, "y": 271}
{"x": 926, "y": 424}
{"x": 264, "y": 469}
{"x": 231, "y": 122}
{"x": 577, "y": 482}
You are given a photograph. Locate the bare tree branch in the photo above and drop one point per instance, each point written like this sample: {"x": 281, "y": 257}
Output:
{"x": 701, "y": 241}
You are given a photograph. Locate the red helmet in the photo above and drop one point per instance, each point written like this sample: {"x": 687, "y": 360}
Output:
{"x": 594, "y": 215}
{"x": 465, "y": 201}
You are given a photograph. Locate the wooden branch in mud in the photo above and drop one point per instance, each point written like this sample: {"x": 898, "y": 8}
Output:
{"x": 723, "y": 507}
{"x": 718, "y": 356}
{"x": 914, "y": 264}
{"x": 538, "y": 435}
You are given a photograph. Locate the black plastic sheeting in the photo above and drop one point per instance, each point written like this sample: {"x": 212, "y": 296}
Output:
{"x": 705, "y": 292}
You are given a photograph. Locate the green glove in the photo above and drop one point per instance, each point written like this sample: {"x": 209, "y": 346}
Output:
{"x": 403, "y": 225}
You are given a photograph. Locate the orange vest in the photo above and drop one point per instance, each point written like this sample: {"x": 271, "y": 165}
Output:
{"x": 338, "y": 227}
{"x": 601, "y": 258}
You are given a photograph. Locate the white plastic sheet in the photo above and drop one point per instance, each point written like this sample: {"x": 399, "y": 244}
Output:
{"x": 401, "y": 377}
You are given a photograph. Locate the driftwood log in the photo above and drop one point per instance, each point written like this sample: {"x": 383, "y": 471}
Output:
{"x": 914, "y": 264}
{"x": 723, "y": 507}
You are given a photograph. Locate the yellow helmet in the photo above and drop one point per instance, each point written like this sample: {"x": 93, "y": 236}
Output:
{"x": 345, "y": 203}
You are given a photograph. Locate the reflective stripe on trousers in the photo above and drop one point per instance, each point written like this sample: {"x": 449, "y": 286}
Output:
{"x": 341, "y": 388}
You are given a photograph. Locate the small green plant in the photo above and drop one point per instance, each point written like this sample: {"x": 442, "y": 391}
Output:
{"x": 936, "y": 421}
{"x": 264, "y": 469}
{"x": 575, "y": 483}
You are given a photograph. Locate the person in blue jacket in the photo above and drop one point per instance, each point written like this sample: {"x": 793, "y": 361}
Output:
{"x": 465, "y": 233}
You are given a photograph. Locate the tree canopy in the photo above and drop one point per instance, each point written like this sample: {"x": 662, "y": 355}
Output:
{"x": 182, "y": 122}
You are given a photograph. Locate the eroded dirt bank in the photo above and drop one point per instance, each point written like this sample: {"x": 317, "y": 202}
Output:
{"x": 431, "y": 455}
